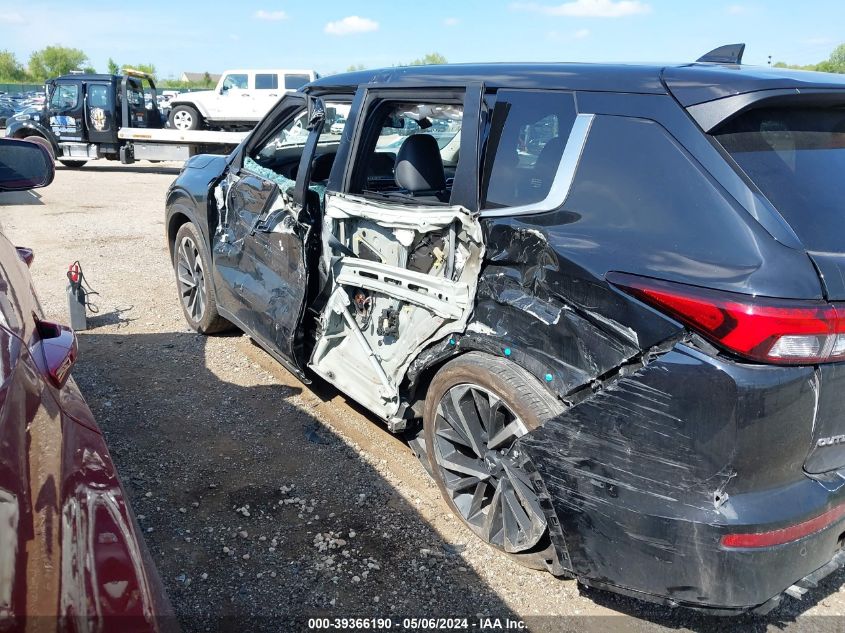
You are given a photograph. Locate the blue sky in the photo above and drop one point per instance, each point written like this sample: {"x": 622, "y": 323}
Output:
{"x": 330, "y": 35}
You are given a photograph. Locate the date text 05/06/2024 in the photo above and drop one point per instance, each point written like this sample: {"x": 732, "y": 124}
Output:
{"x": 419, "y": 624}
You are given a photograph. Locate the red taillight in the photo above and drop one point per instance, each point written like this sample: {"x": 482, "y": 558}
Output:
{"x": 779, "y": 331}
{"x": 784, "y": 535}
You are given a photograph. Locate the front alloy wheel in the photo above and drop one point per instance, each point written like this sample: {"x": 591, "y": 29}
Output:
{"x": 196, "y": 290}
{"x": 191, "y": 278}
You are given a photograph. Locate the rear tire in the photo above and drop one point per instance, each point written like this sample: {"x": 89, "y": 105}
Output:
{"x": 193, "y": 280}
{"x": 184, "y": 117}
{"x": 476, "y": 407}
{"x": 72, "y": 164}
{"x": 43, "y": 142}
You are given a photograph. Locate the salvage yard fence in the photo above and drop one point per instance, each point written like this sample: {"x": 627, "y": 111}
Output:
{"x": 12, "y": 88}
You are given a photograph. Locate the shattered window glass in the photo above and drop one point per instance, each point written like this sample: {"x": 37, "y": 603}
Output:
{"x": 525, "y": 141}
{"x": 278, "y": 159}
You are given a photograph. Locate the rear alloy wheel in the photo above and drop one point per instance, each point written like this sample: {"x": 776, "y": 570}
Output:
{"x": 476, "y": 409}
{"x": 184, "y": 117}
{"x": 196, "y": 293}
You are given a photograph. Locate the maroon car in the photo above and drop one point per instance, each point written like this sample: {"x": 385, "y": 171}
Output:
{"x": 71, "y": 555}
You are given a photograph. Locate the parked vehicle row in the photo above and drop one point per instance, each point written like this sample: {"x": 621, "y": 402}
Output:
{"x": 606, "y": 301}
{"x": 15, "y": 104}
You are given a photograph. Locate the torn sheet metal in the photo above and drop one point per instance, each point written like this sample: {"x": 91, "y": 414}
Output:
{"x": 410, "y": 274}
{"x": 418, "y": 218}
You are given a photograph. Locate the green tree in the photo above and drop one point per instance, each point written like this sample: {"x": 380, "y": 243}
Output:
{"x": 837, "y": 58}
{"x": 10, "y": 68}
{"x": 353, "y": 67}
{"x": 206, "y": 79}
{"x": 833, "y": 64}
{"x": 55, "y": 60}
{"x": 429, "y": 58}
{"x": 150, "y": 69}
{"x": 114, "y": 67}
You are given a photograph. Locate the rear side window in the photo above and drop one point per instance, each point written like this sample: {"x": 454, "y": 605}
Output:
{"x": 266, "y": 81}
{"x": 796, "y": 156}
{"x": 295, "y": 82}
{"x": 527, "y": 134}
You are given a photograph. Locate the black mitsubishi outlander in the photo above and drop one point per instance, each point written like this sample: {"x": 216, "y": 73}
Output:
{"x": 606, "y": 303}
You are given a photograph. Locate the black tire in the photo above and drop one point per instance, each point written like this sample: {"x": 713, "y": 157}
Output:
{"x": 184, "y": 117}
{"x": 477, "y": 474}
{"x": 43, "y": 142}
{"x": 72, "y": 164}
{"x": 196, "y": 290}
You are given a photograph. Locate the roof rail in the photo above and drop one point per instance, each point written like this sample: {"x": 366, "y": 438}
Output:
{"x": 727, "y": 54}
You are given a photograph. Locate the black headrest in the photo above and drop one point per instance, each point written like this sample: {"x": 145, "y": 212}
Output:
{"x": 419, "y": 166}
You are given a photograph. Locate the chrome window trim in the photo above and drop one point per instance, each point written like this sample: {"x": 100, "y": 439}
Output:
{"x": 563, "y": 177}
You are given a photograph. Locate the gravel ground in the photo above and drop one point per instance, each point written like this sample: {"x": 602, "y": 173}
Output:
{"x": 265, "y": 501}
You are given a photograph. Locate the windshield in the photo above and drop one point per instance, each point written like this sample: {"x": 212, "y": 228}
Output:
{"x": 796, "y": 156}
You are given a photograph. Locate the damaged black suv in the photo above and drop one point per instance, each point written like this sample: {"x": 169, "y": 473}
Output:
{"x": 603, "y": 299}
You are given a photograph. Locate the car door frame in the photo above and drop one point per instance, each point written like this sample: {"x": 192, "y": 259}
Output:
{"x": 230, "y": 302}
{"x": 465, "y": 190}
{"x": 57, "y": 118}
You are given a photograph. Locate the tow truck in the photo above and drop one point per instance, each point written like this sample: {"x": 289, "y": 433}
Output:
{"x": 88, "y": 116}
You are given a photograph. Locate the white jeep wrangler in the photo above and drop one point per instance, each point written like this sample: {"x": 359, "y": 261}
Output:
{"x": 239, "y": 101}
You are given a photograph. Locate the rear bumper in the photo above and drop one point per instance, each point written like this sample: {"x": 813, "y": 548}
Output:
{"x": 644, "y": 479}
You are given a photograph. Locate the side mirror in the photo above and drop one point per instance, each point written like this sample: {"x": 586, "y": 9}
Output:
{"x": 24, "y": 165}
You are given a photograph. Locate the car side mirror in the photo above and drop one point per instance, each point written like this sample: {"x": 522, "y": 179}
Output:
{"x": 24, "y": 165}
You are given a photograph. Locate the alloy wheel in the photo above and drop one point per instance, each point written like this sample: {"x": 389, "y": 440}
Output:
{"x": 183, "y": 120}
{"x": 191, "y": 278}
{"x": 474, "y": 436}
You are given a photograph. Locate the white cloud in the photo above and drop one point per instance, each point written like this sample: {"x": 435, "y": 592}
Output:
{"x": 11, "y": 18}
{"x": 580, "y": 34}
{"x": 270, "y": 16}
{"x": 451, "y": 22}
{"x": 587, "y": 8}
{"x": 351, "y": 24}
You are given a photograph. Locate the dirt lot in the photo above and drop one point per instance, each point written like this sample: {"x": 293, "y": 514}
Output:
{"x": 265, "y": 501}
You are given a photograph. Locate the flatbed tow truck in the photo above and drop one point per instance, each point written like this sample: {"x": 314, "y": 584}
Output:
{"x": 89, "y": 116}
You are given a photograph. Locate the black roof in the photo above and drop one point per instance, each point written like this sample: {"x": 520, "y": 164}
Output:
{"x": 689, "y": 83}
